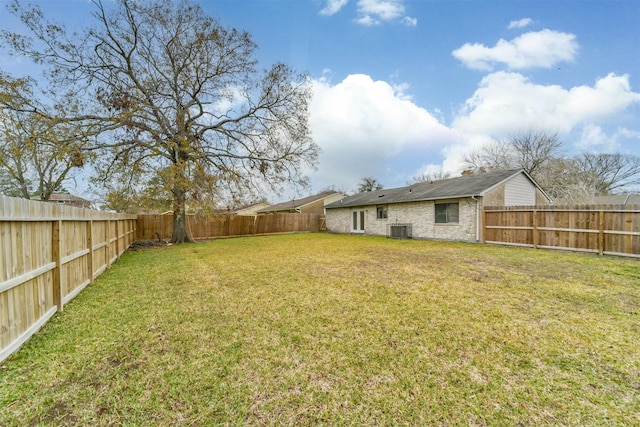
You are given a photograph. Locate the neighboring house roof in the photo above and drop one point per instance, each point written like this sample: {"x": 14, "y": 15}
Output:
{"x": 617, "y": 199}
{"x": 67, "y": 199}
{"x": 295, "y": 204}
{"x": 251, "y": 209}
{"x": 452, "y": 188}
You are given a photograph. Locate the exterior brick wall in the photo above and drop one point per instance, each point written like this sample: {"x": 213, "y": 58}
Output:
{"x": 338, "y": 220}
{"x": 495, "y": 197}
{"x": 421, "y": 215}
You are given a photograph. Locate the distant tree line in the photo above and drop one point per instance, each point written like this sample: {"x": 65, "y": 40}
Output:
{"x": 570, "y": 180}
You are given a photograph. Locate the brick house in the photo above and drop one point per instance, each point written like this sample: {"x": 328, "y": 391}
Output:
{"x": 447, "y": 209}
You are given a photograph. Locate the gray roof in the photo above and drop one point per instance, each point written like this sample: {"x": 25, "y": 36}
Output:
{"x": 67, "y": 198}
{"x": 298, "y": 203}
{"x": 617, "y": 199}
{"x": 452, "y": 188}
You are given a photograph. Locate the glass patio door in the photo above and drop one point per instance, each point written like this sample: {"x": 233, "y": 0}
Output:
{"x": 357, "y": 222}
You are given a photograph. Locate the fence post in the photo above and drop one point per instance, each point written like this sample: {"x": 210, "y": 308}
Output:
{"x": 117, "y": 222}
{"x": 600, "y": 232}
{"x": 57, "y": 270}
{"x": 484, "y": 226}
{"x": 90, "y": 247}
{"x": 108, "y": 239}
{"x": 535, "y": 229}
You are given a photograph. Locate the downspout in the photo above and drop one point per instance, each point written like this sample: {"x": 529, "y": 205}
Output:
{"x": 477, "y": 218}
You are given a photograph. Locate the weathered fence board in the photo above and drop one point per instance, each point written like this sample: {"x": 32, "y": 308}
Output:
{"x": 208, "y": 227}
{"x": 605, "y": 230}
{"x": 48, "y": 254}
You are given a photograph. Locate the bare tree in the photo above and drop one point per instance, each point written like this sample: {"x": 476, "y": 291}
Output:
{"x": 609, "y": 173}
{"x": 369, "y": 184}
{"x": 180, "y": 95}
{"x": 562, "y": 179}
{"x": 530, "y": 150}
{"x": 437, "y": 175}
{"x": 568, "y": 180}
{"x": 490, "y": 157}
{"x": 533, "y": 150}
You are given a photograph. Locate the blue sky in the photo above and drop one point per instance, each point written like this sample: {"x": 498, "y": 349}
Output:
{"x": 402, "y": 86}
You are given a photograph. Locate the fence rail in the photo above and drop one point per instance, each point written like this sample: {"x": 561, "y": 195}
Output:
{"x": 48, "y": 254}
{"x": 208, "y": 227}
{"x": 605, "y": 230}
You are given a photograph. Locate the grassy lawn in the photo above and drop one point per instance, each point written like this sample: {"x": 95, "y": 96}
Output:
{"x": 338, "y": 330}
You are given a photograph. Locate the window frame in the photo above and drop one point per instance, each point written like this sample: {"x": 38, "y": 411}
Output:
{"x": 382, "y": 212}
{"x": 449, "y": 216}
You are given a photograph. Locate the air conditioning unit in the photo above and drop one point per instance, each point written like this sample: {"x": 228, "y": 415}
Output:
{"x": 399, "y": 231}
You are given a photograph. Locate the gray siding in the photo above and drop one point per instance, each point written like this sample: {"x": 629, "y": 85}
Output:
{"x": 519, "y": 191}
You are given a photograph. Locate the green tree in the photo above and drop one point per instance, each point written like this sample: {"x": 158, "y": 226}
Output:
{"x": 174, "y": 93}
{"x": 38, "y": 153}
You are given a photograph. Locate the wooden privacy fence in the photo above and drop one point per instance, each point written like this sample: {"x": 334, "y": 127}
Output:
{"x": 605, "y": 230}
{"x": 48, "y": 254}
{"x": 208, "y": 227}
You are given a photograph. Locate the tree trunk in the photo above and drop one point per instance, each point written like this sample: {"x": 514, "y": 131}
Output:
{"x": 24, "y": 190}
{"x": 180, "y": 234}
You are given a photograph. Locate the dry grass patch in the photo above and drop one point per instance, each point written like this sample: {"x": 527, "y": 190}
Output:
{"x": 327, "y": 329}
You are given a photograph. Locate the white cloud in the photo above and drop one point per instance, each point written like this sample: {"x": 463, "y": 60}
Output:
{"x": 373, "y": 128}
{"x": 385, "y": 10}
{"x": 231, "y": 98}
{"x": 409, "y": 22}
{"x": 362, "y": 125}
{"x": 401, "y": 90}
{"x": 429, "y": 170}
{"x": 375, "y": 12}
{"x": 333, "y": 7}
{"x": 367, "y": 21}
{"x": 629, "y": 134}
{"x": 454, "y": 154}
{"x": 520, "y": 23}
{"x": 507, "y": 102}
{"x": 543, "y": 49}
{"x": 594, "y": 139}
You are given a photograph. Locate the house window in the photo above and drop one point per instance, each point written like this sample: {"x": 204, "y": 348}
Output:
{"x": 446, "y": 212}
{"x": 381, "y": 212}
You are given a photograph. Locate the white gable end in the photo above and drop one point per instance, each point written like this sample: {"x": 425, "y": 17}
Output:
{"x": 519, "y": 191}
